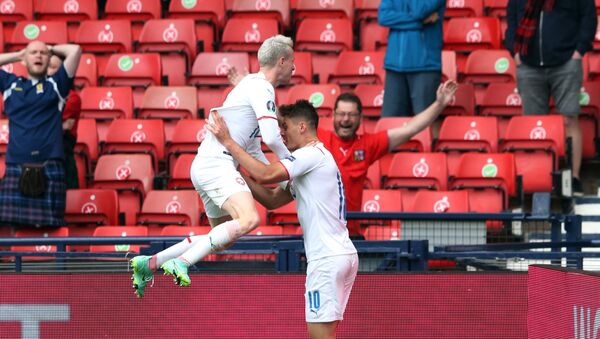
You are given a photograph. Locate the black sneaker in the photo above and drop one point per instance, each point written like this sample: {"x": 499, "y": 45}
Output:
{"x": 577, "y": 187}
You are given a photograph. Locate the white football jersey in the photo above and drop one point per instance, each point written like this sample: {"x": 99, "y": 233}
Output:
{"x": 252, "y": 100}
{"x": 316, "y": 185}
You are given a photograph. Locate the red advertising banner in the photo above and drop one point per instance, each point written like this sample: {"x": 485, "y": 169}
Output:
{"x": 563, "y": 303}
{"x": 260, "y": 306}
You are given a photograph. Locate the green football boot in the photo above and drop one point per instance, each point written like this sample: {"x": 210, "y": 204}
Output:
{"x": 179, "y": 270}
{"x": 141, "y": 273}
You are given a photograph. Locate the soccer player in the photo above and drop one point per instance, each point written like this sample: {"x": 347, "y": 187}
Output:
{"x": 316, "y": 185}
{"x": 250, "y": 111}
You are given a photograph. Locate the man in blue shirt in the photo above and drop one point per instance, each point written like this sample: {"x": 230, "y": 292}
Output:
{"x": 34, "y": 108}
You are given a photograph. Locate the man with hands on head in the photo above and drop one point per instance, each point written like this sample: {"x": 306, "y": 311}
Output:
{"x": 33, "y": 189}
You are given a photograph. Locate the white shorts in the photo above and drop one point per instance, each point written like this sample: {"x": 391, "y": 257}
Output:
{"x": 328, "y": 284}
{"x": 216, "y": 179}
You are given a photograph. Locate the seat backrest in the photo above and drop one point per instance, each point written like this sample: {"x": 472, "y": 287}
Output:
{"x": 324, "y": 9}
{"x": 107, "y": 102}
{"x": 189, "y": 132}
{"x": 303, "y": 74}
{"x": 210, "y": 11}
{"x": 182, "y": 207}
{"x": 247, "y": 34}
{"x": 324, "y": 35}
{"x": 16, "y": 10}
{"x": 67, "y": 10}
{"x": 468, "y": 133}
{"x": 92, "y": 206}
{"x": 135, "y": 69}
{"x": 468, "y": 34}
{"x": 495, "y": 8}
{"x": 180, "y": 177}
{"x": 371, "y": 97}
{"x": 449, "y": 67}
{"x": 357, "y": 67}
{"x": 169, "y": 35}
{"x": 463, "y": 8}
{"x": 498, "y": 168}
{"x": 367, "y": 9}
{"x": 537, "y": 131}
{"x": 124, "y": 171}
{"x": 425, "y": 170}
{"x": 186, "y": 231}
{"x": 589, "y": 99}
{"x": 284, "y": 215}
{"x": 278, "y": 10}
{"x": 136, "y": 135}
{"x": 4, "y": 135}
{"x": 463, "y": 102}
{"x": 133, "y": 10}
{"x": 118, "y": 231}
{"x": 169, "y": 102}
{"x": 490, "y": 66}
{"x": 322, "y": 96}
{"x": 376, "y": 200}
{"x": 266, "y": 230}
{"x": 87, "y": 138}
{"x": 50, "y": 32}
{"x": 87, "y": 71}
{"x": 421, "y": 142}
{"x": 104, "y": 36}
{"x": 427, "y": 201}
{"x": 211, "y": 68}
{"x": 39, "y": 233}
{"x": 501, "y": 99}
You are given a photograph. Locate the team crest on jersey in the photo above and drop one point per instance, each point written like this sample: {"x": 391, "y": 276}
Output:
{"x": 271, "y": 106}
{"x": 359, "y": 155}
{"x": 39, "y": 88}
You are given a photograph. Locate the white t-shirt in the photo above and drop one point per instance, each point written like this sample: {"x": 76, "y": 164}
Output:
{"x": 250, "y": 112}
{"x": 316, "y": 185}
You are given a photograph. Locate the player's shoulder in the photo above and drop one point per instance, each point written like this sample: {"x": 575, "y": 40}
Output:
{"x": 258, "y": 81}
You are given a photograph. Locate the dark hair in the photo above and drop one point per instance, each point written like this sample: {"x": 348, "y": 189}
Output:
{"x": 349, "y": 97}
{"x": 301, "y": 109}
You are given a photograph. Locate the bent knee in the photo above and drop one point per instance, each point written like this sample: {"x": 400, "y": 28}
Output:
{"x": 249, "y": 222}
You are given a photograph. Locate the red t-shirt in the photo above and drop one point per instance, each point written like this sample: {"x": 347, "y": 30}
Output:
{"x": 72, "y": 110}
{"x": 353, "y": 158}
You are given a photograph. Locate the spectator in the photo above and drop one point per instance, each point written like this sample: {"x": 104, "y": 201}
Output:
{"x": 413, "y": 61}
{"x": 70, "y": 121}
{"x": 33, "y": 189}
{"x": 548, "y": 38}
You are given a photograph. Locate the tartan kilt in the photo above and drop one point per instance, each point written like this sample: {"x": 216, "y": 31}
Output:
{"x": 48, "y": 210}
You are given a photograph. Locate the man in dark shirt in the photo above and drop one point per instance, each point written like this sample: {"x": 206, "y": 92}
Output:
{"x": 34, "y": 107}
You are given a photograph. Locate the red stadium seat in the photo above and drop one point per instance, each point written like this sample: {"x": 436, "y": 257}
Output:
{"x": 377, "y": 200}
{"x": 103, "y": 38}
{"x": 136, "y": 11}
{"x": 87, "y": 72}
{"x": 169, "y": 104}
{"x": 12, "y": 12}
{"x": 92, "y": 207}
{"x": 186, "y": 231}
{"x": 410, "y": 172}
{"x": 119, "y": 231}
{"x": 211, "y": 69}
{"x": 247, "y": 34}
{"x": 73, "y": 12}
{"x": 50, "y": 32}
{"x": 489, "y": 178}
{"x": 180, "y": 175}
{"x": 326, "y": 38}
{"x": 136, "y": 136}
{"x": 284, "y": 216}
{"x": 321, "y": 96}
{"x": 463, "y": 8}
{"x": 138, "y": 70}
{"x": 187, "y": 136}
{"x": 16, "y": 68}
{"x": 105, "y": 104}
{"x": 594, "y": 66}
{"x": 371, "y": 97}
{"x": 175, "y": 41}
{"x": 373, "y": 37}
{"x": 373, "y": 180}
{"x": 469, "y": 34}
{"x": 356, "y": 67}
{"x": 466, "y": 134}
{"x": 537, "y": 142}
{"x": 376, "y": 232}
{"x": 463, "y": 102}
{"x": 489, "y": 66}
{"x": 304, "y": 69}
{"x": 589, "y": 117}
{"x": 208, "y": 16}
{"x": 449, "y": 66}
{"x": 131, "y": 175}
{"x": 324, "y": 9}
{"x": 39, "y": 233}
{"x": 419, "y": 143}
{"x": 86, "y": 148}
{"x": 162, "y": 208}
{"x": 495, "y": 8}
{"x": 1, "y": 39}
{"x": 366, "y": 9}
{"x": 501, "y": 99}
{"x": 278, "y": 10}
{"x": 440, "y": 202}
{"x": 4, "y": 135}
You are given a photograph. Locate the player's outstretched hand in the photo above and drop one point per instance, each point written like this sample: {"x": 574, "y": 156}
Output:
{"x": 218, "y": 127}
{"x": 446, "y": 92}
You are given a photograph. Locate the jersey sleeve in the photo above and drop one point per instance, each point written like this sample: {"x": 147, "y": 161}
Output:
{"x": 63, "y": 82}
{"x": 262, "y": 100}
{"x": 302, "y": 161}
{"x": 5, "y": 80}
{"x": 378, "y": 145}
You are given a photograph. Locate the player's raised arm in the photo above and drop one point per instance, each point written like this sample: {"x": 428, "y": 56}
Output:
{"x": 264, "y": 174}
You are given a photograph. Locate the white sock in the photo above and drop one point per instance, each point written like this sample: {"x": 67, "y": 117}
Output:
{"x": 220, "y": 236}
{"x": 176, "y": 250}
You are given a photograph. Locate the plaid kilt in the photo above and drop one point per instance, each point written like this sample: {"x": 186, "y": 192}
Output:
{"x": 49, "y": 210}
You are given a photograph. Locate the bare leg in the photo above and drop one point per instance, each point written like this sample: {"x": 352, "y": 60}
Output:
{"x": 322, "y": 330}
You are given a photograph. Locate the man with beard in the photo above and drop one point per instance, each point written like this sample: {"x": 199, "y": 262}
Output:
{"x": 33, "y": 189}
